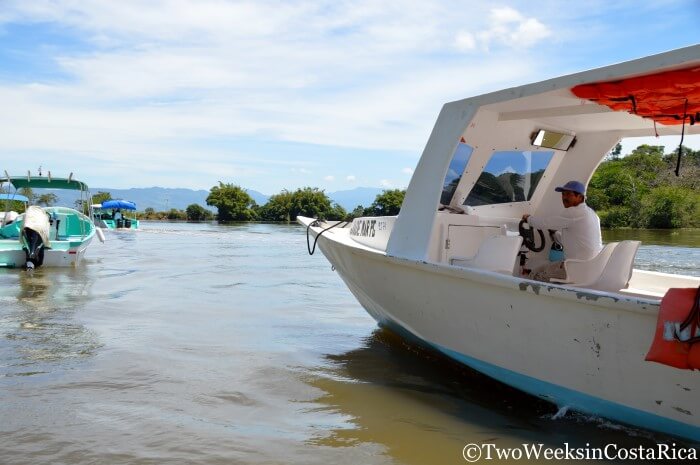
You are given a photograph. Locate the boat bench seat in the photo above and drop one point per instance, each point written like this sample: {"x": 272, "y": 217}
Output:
{"x": 10, "y": 231}
{"x": 56, "y": 232}
{"x": 496, "y": 253}
{"x": 610, "y": 270}
{"x": 69, "y": 225}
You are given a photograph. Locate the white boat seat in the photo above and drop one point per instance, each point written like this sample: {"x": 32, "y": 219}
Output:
{"x": 60, "y": 231}
{"x": 586, "y": 272}
{"x": 496, "y": 253}
{"x": 610, "y": 270}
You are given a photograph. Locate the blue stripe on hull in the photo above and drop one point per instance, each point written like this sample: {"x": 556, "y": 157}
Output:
{"x": 562, "y": 396}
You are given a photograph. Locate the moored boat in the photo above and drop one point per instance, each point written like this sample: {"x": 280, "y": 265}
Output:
{"x": 110, "y": 214}
{"x": 8, "y": 214}
{"x": 448, "y": 270}
{"x": 48, "y": 236}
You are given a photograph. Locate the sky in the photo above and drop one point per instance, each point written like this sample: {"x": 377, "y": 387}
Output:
{"x": 273, "y": 95}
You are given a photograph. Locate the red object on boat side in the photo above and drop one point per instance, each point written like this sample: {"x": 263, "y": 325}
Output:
{"x": 676, "y": 307}
{"x": 661, "y": 97}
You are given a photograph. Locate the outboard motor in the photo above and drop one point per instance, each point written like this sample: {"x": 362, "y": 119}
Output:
{"x": 33, "y": 248}
{"x": 35, "y": 236}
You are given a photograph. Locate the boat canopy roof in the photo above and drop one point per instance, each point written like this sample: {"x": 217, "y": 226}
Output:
{"x": 121, "y": 204}
{"x": 18, "y": 197}
{"x": 40, "y": 182}
{"x": 627, "y": 97}
{"x": 583, "y": 114}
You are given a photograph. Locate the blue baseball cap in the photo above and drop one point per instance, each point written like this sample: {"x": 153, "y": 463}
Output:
{"x": 573, "y": 186}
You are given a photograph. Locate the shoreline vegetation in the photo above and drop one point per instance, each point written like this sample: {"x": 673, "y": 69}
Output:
{"x": 234, "y": 205}
{"x": 637, "y": 191}
{"x": 642, "y": 191}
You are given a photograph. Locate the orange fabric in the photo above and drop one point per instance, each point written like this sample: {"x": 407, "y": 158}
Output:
{"x": 660, "y": 97}
{"x": 674, "y": 309}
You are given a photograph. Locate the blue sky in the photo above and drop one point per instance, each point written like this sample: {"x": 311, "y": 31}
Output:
{"x": 272, "y": 95}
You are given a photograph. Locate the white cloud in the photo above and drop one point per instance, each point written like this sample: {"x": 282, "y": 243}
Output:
{"x": 407, "y": 171}
{"x": 505, "y": 15}
{"x": 670, "y": 143}
{"x": 507, "y": 27}
{"x": 465, "y": 41}
{"x": 507, "y": 169}
{"x": 213, "y": 68}
{"x": 174, "y": 83}
{"x": 350, "y": 178}
{"x": 329, "y": 178}
{"x": 385, "y": 183}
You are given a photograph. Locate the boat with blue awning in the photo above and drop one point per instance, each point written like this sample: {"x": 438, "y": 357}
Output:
{"x": 110, "y": 214}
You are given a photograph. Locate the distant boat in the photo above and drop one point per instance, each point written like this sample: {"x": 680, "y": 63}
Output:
{"x": 49, "y": 236}
{"x": 8, "y": 215}
{"x": 109, "y": 214}
{"x": 448, "y": 270}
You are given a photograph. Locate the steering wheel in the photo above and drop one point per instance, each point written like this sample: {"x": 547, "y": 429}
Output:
{"x": 529, "y": 236}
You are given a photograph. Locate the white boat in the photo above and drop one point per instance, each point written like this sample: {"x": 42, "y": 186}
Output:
{"x": 62, "y": 236}
{"x": 449, "y": 275}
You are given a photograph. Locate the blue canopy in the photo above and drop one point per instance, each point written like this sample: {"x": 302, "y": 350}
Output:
{"x": 121, "y": 204}
{"x": 17, "y": 197}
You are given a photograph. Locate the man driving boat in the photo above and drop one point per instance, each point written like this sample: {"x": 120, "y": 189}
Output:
{"x": 578, "y": 225}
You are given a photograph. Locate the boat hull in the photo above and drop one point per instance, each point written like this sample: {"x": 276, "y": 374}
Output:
{"x": 583, "y": 350}
{"x": 12, "y": 256}
{"x": 71, "y": 257}
{"x": 113, "y": 225}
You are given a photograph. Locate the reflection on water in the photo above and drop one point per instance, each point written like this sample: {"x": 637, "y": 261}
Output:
{"x": 32, "y": 288}
{"x": 419, "y": 407}
{"x": 201, "y": 343}
{"x": 40, "y": 333}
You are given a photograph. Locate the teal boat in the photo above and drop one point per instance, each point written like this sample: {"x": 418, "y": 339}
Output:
{"x": 110, "y": 215}
{"x": 48, "y": 236}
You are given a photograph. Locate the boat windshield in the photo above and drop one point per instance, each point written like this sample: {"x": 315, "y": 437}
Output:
{"x": 454, "y": 172}
{"x": 510, "y": 176}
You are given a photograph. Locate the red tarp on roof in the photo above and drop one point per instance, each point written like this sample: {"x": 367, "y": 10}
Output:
{"x": 661, "y": 96}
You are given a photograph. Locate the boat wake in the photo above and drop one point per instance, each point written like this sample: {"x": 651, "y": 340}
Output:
{"x": 566, "y": 414}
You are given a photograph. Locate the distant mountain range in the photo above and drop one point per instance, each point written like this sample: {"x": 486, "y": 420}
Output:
{"x": 163, "y": 199}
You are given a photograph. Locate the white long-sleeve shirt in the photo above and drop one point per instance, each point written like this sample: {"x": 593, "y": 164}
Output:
{"x": 580, "y": 231}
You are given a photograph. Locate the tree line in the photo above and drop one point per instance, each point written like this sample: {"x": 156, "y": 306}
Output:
{"x": 234, "y": 204}
{"x": 641, "y": 189}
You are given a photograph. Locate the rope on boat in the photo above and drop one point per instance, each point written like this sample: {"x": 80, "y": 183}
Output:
{"x": 316, "y": 223}
{"x": 680, "y": 146}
